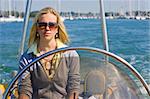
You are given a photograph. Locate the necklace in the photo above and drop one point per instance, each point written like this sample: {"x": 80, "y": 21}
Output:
{"x": 47, "y": 64}
{"x": 50, "y": 66}
{"x": 50, "y": 63}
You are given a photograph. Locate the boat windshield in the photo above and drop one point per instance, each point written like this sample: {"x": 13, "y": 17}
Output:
{"x": 111, "y": 79}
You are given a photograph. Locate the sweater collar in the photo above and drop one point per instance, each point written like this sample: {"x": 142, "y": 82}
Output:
{"x": 33, "y": 47}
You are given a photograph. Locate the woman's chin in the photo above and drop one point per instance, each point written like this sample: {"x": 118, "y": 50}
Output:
{"x": 47, "y": 37}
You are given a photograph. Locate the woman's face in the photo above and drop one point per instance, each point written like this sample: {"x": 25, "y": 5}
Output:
{"x": 47, "y": 26}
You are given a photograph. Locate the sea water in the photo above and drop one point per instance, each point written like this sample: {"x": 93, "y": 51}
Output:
{"x": 129, "y": 39}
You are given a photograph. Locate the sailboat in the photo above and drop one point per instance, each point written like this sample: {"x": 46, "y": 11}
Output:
{"x": 10, "y": 17}
{"x": 108, "y": 76}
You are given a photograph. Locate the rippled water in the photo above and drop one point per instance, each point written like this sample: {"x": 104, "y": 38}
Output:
{"x": 130, "y": 39}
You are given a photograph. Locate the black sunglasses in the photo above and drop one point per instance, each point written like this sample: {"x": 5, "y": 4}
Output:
{"x": 43, "y": 25}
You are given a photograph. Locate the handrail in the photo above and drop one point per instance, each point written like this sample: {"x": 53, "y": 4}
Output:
{"x": 26, "y": 21}
{"x": 104, "y": 27}
{"x": 133, "y": 70}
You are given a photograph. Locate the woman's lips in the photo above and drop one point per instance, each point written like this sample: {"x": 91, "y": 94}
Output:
{"x": 47, "y": 33}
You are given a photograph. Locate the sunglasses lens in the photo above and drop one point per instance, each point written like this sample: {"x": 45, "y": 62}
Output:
{"x": 43, "y": 25}
{"x": 51, "y": 24}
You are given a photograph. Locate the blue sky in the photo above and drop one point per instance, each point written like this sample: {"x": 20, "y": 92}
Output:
{"x": 82, "y": 5}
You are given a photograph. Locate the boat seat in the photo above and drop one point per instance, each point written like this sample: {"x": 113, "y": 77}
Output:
{"x": 94, "y": 84}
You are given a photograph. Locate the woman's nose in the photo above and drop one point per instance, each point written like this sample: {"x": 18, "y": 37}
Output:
{"x": 47, "y": 27}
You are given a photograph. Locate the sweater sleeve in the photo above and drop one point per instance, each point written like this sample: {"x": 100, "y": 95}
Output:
{"x": 24, "y": 86}
{"x": 74, "y": 73}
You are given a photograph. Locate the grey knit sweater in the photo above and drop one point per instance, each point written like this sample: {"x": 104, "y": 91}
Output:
{"x": 36, "y": 84}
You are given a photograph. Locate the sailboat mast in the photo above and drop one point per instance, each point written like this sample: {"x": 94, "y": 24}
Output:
{"x": 130, "y": 12}
{"x": 59, "y": 6}
{"x": 9, "y": 8}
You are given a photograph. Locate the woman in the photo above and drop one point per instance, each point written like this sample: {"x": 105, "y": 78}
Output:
{"x": 56, "y": 76}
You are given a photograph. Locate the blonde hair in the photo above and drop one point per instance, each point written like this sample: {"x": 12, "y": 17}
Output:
{"x": 63, "y": 35}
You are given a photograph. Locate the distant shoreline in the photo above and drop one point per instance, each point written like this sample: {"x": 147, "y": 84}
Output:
{"x": 139, "y": 15}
